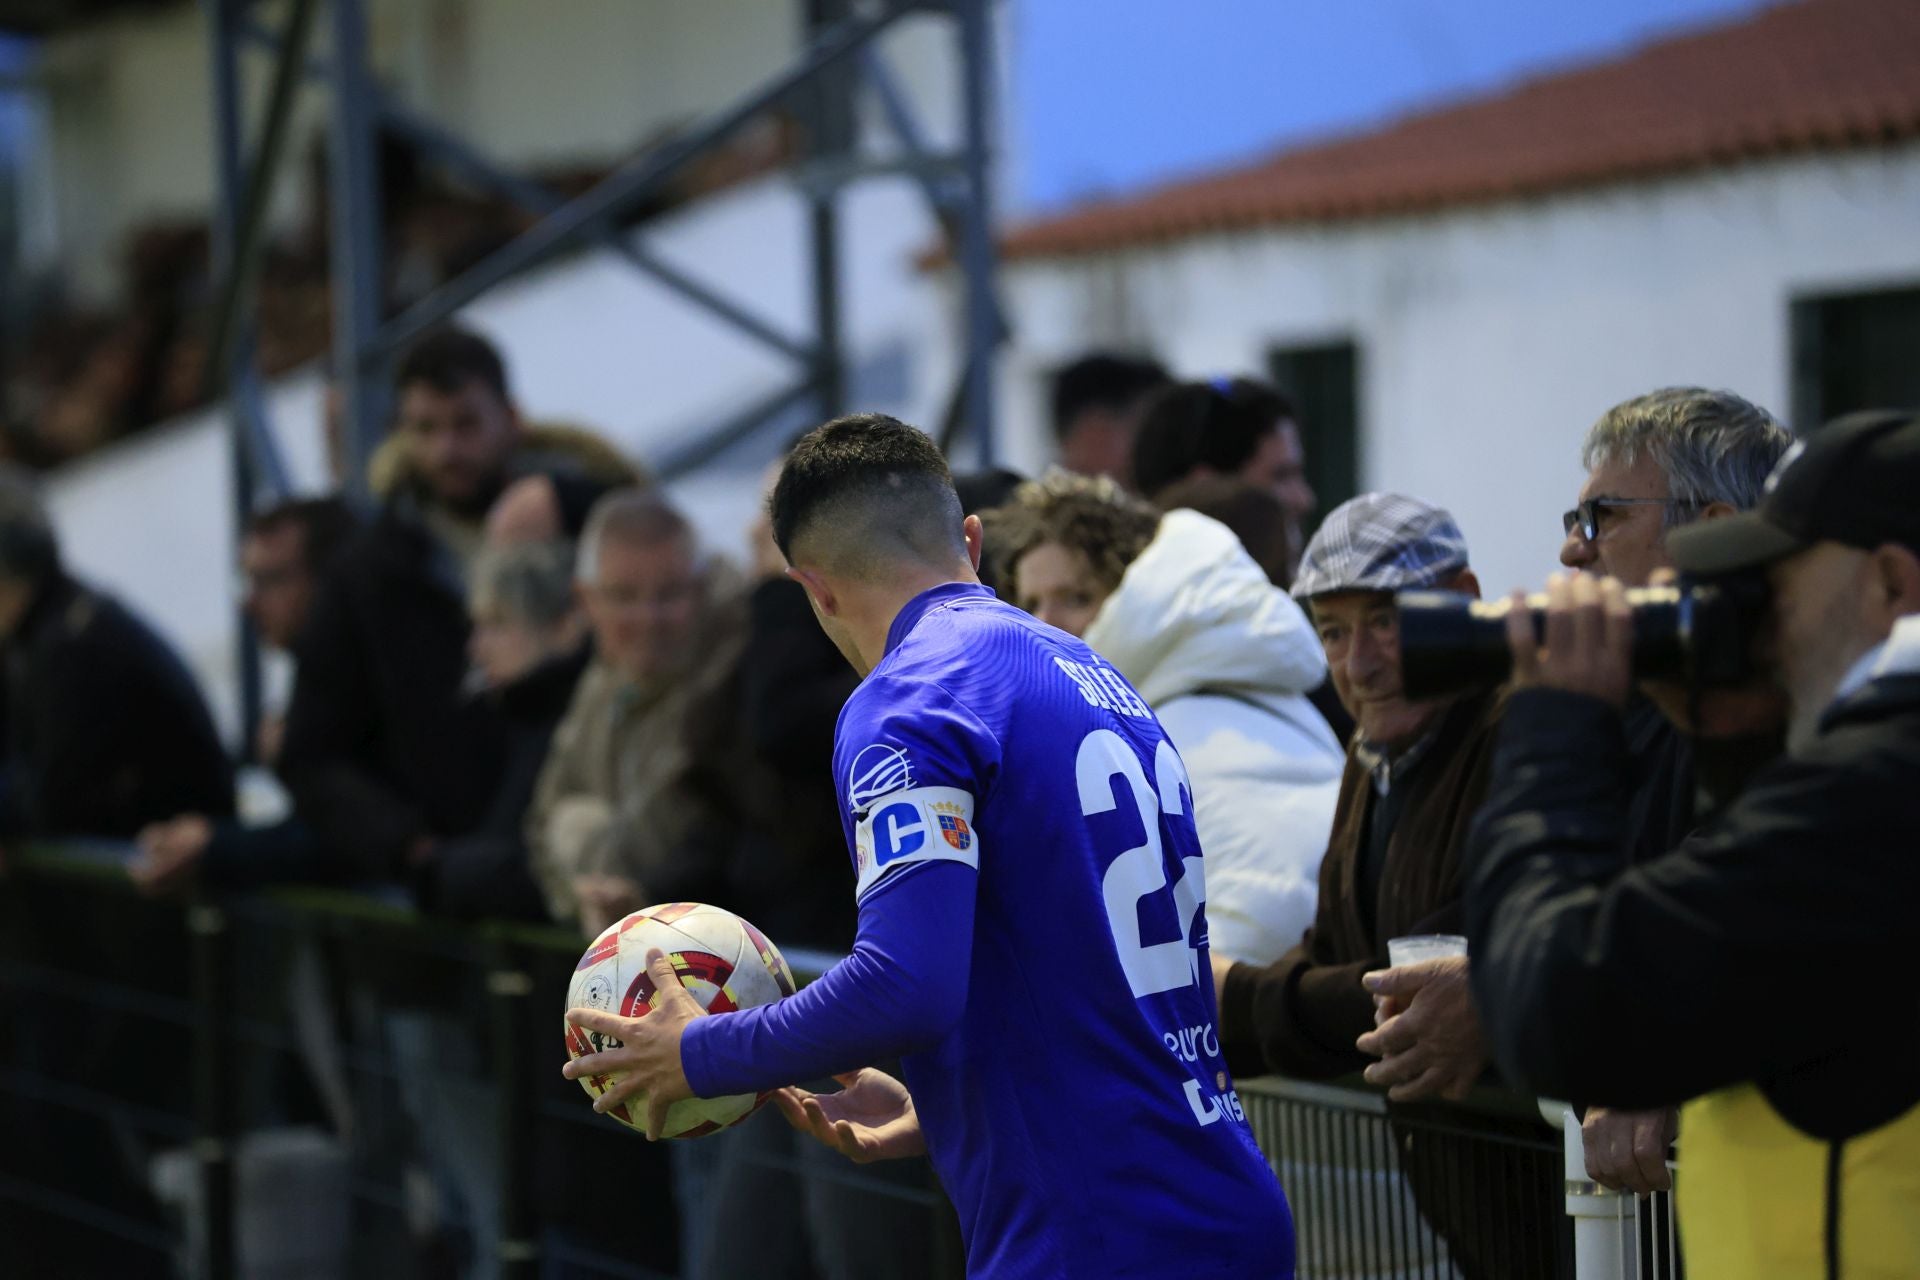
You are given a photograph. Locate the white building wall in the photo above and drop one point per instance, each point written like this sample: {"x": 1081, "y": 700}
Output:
{"x": 1490, "y": 339}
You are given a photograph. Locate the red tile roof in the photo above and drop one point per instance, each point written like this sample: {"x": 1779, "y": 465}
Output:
{"x": 1805, "y": 76}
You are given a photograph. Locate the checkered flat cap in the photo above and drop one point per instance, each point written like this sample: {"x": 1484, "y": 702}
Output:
{"x": 1381, "y": 542}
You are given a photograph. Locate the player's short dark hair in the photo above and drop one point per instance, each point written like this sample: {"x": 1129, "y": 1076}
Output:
{"x": 1102, "y": 380}
{"x": 449, "y": 358}
{"x": 326, "y": 525}
{"x": 877, "y": 487}
{"x": 1217, "y": 424}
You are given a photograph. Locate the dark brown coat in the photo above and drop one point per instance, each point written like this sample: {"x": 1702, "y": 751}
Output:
{"x": 1300, "y": 1015}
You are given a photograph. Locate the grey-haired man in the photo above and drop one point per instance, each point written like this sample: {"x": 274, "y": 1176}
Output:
{"x": 1654, "y": 463}
{"x": 1659, "y": 461}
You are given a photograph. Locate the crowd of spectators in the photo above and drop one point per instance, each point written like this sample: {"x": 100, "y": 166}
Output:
{"x": 525, "y": 690}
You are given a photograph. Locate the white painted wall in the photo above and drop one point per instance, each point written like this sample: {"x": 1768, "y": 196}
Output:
{"x": 1490, "y": 339}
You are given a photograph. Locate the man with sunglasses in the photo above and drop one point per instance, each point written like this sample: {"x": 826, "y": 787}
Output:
{"x": 1658, "y": 461}
{"x": 1763, "y": 955}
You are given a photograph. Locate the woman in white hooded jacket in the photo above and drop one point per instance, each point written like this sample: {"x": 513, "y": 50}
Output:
{"x": 1224, "y": 658}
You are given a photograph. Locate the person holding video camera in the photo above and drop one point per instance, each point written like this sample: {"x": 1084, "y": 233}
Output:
{"x": 1762, "y": 955}
{"x": 1654, "y": 463}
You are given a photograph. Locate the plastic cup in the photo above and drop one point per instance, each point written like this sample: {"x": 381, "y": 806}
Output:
{"x": 1424, "y": 946}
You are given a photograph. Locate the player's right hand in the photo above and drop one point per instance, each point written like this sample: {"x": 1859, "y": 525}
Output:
{"x": 871, "y": 1118}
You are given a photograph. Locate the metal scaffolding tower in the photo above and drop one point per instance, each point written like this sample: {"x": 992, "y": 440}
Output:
{"x": 839, "y": 62}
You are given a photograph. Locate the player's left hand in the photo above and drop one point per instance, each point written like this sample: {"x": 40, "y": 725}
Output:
{"x": 1433, "y": 1046}
{"x": 1589, "y": 639}
{"x": 648, "y": 1057}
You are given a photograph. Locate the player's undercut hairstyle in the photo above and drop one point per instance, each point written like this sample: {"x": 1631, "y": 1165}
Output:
{"x": 632, "y": 517}
{"x": 1102, "y": 380}
{"x": 865, "y": 491}
{"x": 1217, "y": 425}
{"x": 449, "y": 358}
{"x": 1090, "y": 515}
{"x": 1712, "y": 446}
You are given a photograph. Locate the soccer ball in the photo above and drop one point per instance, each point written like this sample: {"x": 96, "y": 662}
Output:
{"x": 724, "y": 963}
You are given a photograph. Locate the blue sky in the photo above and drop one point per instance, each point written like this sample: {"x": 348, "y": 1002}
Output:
{"x": 1109, "y": 96}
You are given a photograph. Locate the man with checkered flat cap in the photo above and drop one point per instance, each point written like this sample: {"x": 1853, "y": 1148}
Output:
{"x": 1769, "y": 954}
{"x": 1416, "y": 772}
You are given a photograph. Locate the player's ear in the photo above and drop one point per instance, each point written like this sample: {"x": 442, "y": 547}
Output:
{"x": 976, "y": 535}
{"x": 817, "y": 590}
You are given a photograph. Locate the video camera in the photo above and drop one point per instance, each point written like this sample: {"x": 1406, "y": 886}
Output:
{"x": 1699, "y": 632}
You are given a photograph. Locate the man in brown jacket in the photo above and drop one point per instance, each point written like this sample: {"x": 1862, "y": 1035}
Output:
{"x": 1416, "y": 772}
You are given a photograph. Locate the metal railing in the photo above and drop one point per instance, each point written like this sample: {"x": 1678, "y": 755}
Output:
{"x": 1489, "y": 1187}
{"x": 201, "y": 1085}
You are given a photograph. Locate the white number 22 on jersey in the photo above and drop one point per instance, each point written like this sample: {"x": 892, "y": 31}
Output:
{"x": 1151, "y": 967}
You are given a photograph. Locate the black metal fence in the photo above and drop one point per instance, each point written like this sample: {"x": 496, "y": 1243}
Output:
{"x": 316, "y": 1083}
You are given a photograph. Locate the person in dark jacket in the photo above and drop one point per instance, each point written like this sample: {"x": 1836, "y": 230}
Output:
{"x": 529, "y": 649}
{"x": 1764, "y": 954}
{"x": 285, "y": 555}
{"x": 106, "y": 729}
{"x": 1655, "y": 463}
{"x": 385, "y": 754}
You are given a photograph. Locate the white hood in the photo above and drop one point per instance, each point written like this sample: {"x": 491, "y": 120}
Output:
{"x": 1194, "y": 612}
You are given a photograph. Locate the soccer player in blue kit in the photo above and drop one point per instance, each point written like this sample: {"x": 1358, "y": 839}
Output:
{"x": 1031, "y": 941}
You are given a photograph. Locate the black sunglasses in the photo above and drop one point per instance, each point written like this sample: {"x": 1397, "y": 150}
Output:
{"x": 1586, "y": 516}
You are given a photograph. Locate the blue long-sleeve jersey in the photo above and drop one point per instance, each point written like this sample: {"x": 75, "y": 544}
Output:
{"x": 1032, "y": 945}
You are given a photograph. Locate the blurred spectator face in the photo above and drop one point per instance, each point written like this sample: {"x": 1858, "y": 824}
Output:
{"x": 1057, "y": 585}
{"x": 1360, "y": 631}
{"x": 1099, "y": 442}
{"x": 504, "y": 647}
{"x": 1279, "y": 466}
{"x": 1824, "y": 615}
{"x": 279, "y": 588}
{"x": 644, "y": 603}
{"x": 529, "y": 511}
{"x": 1631, "y": 540}
{"x": 459, "y": 442}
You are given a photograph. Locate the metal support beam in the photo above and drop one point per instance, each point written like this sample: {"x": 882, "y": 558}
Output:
{"x": 453, "y": 152}
{"x": 693, "y": 456}
{"x": 247, "y": 234}
{"x": 832, "y": 139}
{"x": 596, "y": 210}
{"x": 359, "y": 358}
{"x": 446, "y": 148}
{"x": 906, "y": 130}
{"x": 954, "y": 184}
{"x": 237, "y": 353}
{"x": 942, "y": 177}
{"x": 976, "y": 231}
